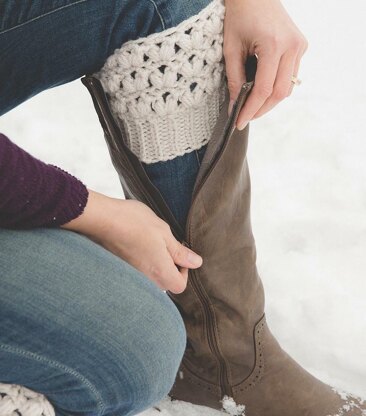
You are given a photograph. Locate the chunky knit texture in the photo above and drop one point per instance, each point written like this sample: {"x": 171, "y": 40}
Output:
{"x": 166, "y": 89}
{"x": 20, "y": 401}
{"x": 36, "y": 194}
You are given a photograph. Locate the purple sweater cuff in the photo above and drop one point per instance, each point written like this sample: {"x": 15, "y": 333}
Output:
{"x": 36, "y": 194}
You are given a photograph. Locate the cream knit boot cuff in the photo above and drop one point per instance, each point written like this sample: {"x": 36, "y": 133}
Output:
{"x": 166, "y": 89}
{"x": 19, "y": 400}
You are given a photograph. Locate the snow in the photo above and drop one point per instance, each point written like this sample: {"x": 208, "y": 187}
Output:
{"x": 169, "y": 408}
{"x": 308, "y": 169}
{"x": 231, "y": 408}
{"x": 350, "y": 402}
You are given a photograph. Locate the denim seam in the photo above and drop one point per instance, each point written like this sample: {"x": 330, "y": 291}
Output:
{"x": 42, "y": 15}
{"x": 18, "y": 351}
{"x": 159, "y": 14}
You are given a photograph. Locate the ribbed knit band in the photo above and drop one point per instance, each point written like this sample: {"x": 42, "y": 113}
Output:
{"x": 166, "y": 89}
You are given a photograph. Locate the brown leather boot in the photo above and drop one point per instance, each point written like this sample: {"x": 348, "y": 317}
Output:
{"x": 231, "y": 352}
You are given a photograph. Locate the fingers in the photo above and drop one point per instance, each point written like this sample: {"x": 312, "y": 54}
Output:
{"x": 183, "y": 256}
{"x": 263, "y": 87}
{"x": 170, "y": 278}
{"x": 166, "y": 273}
{"x": 273, "y": 81}
{"x": 295, "y": 73}
{"x": 297, "y": 64}
{"x": 167, "y": 276}
{"x": 282, "y": 85}
{"x": 167, "y": 254}
{"x": 234, "y": 66}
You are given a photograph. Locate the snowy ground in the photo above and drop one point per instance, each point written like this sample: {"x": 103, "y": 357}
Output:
{"x": 308, "y": 170}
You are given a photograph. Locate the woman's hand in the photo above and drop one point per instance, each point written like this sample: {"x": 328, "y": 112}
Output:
{"x": 132, "y": 231}
{"x": 264, "y": 28}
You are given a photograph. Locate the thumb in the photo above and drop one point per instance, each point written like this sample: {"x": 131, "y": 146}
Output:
{"x": 235, "y": 70}
{"x": 183, "y": 256}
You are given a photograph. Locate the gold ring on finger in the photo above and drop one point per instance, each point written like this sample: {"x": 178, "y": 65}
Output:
{"x": 296, "y": 80}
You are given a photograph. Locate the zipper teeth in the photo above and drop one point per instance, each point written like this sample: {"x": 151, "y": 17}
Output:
{"x": 135, "y": 179}
{"x": 141, "y": 188}
{"x": 227, "y": 133}
{"x": 211, "y": 334}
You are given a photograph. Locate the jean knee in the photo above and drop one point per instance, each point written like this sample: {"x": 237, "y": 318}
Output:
{"x": 115, "y": 334}
{"x": 138, "y": 361}
{"x": 148, "y": 348}
{"x": 134, "y": 377}
{"x": 155, "y": 373}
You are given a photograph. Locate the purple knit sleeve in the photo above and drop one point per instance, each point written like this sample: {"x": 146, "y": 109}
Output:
{"x": 36, "y": 194}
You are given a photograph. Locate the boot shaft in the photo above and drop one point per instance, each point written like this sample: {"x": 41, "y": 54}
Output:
{"x": 219, "y": 215}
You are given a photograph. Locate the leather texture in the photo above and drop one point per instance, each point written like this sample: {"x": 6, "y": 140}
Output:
{"x": 230, "y": 349}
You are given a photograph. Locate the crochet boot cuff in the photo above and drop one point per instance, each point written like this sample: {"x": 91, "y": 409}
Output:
{"x": 166, "y": 89}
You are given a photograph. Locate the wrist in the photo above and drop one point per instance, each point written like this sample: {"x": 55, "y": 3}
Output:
{"x": 95, "y": 218}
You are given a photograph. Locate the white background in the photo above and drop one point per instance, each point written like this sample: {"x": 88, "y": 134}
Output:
{"x": 308, "y": 170}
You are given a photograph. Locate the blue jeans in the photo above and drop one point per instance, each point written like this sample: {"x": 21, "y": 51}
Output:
{"x": 77, "y": 323}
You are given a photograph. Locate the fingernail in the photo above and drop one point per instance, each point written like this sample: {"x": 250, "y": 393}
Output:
{"x": 194, "y": 259}
{"x": 242, "y": 125}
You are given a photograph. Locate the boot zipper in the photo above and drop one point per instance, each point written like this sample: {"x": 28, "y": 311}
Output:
{"x": 211, "y": 335}
{"x": 196, "y": 284}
